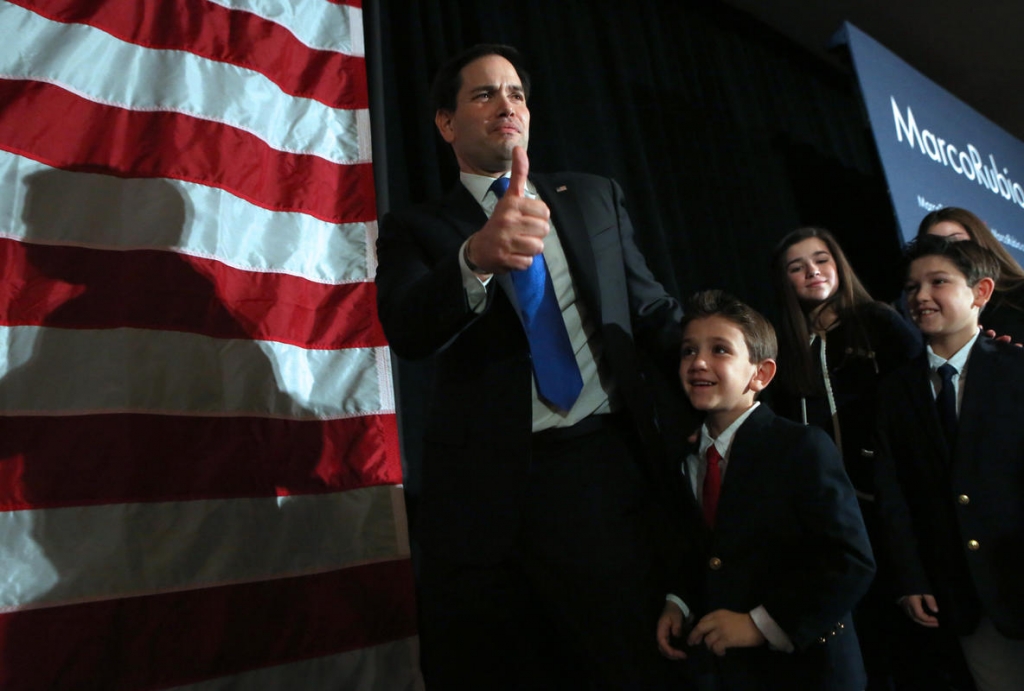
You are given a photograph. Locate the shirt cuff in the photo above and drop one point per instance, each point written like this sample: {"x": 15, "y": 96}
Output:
{"x": 476, "y": 287}
{"x": 772, "y": 632}
{"x": 674, "y": 599}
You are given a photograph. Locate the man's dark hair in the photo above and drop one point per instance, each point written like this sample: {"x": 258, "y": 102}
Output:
{"x": 448, "y": 79}
{"x": 972, "y": 260}
{"x": 758, "y": 333}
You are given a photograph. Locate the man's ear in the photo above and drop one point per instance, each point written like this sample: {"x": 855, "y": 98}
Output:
{"x": 763, "y": 376}
{"x": 983, "y": 290}
{"x": 443, "y": 120}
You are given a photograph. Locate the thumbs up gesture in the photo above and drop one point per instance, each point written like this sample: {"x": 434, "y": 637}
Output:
{"x": 515, "y": 233}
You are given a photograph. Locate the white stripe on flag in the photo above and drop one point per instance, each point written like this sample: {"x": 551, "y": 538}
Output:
{"x": 323, "y": 25}
{"x": 81, "y": 371}
{"x": 255, "y": 239}
{"x": 144, "y": 549}
{"x": 174, "y": 81}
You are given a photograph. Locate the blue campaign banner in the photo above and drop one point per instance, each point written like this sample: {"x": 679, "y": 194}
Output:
{"x": 935, "y": 150}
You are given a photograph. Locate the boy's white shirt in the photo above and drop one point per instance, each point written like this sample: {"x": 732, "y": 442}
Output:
{"x": 697, "y": 464}
{"x": 958, "y": 361}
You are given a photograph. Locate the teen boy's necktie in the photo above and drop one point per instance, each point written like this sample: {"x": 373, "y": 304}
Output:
{"x": 554, "y": 362}
{"x": 712, "y": 486}
{"x": 946, "y": 402}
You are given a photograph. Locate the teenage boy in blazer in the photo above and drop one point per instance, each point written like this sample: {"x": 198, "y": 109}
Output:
{"x": 784, "y": 554}
{"x": 950, "y": 468}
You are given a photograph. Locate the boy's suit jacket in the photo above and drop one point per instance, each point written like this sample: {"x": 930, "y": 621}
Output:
{"x": 789, "y": 536}
{"x": 955, "y": 519}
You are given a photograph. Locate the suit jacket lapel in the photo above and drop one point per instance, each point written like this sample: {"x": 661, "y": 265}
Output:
{"x": 465, "y": 213}
{"x": 690, "y": 501}
{"x": 982, "y": 376}
{"x": 567, "y": 217}
{"x": 690, "y": 506}
{"x": 922, "y": 402}
{"x": 743, "y": 456}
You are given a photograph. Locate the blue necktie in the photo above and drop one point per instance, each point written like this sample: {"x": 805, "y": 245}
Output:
{"x": 946, "y": 402}
{"x": 554, "y": 363}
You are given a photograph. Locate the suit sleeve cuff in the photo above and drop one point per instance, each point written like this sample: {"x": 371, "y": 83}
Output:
{"x": 476, "y": 287}
{"x": 683, "y": 607}
{"x": 772, "y": 632}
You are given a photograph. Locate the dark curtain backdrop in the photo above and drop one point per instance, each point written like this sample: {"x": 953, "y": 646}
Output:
{"x": 723, "y": 134}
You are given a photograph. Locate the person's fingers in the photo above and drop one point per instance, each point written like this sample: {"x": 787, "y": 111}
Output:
{"x": 698, "y": 632}
{"x": 914, "y": 605}
{"x": 520, "y": 170}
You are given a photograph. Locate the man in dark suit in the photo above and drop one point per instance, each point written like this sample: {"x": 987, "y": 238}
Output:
{"x": 536, "y": 565}
{"x": 950, "y": 467}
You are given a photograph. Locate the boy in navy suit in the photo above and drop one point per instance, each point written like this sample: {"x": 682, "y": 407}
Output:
{"x": 784, "y": 554}
{"x": 950, "y": 468}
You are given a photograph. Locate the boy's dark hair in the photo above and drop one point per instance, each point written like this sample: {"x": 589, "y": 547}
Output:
{"x": 972, "y": 260}
{"x": 448, "y": 79}
{"x": 1010, "y": 272}
{"x": 758, "y": 332}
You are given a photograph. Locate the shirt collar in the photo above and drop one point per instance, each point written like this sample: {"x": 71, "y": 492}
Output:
{"x": 724, "y": 440}
{"x": 480, "y": 185}
{"x": 959, "y": 358}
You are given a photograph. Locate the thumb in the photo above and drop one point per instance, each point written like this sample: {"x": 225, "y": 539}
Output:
{"x": 520, "y": 169}
{"x": 929, "y": 601}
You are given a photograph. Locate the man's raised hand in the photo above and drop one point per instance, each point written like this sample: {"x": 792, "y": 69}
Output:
{"x": 515, "y": 233}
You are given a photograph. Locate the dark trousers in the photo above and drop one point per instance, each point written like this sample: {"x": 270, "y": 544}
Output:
{"x": 575, "y": 604}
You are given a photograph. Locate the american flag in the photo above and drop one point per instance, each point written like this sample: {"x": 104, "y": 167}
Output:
{"x": 199, "y": 475}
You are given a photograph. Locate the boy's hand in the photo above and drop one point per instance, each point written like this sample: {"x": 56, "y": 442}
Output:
{"x": 723, "y": 629}
{"x": 670, "y": 626}
{"x": 921, "y": 608}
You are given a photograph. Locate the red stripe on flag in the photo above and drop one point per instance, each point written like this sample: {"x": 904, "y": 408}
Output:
{"x": 49, "y": 462}
{"x": 166, "y": 640}
{"x": 75, "y": 287}
{"x": 218, "y": 33}
{"x": 53, "y": 126}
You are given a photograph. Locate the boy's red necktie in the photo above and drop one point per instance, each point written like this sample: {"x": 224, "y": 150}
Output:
{"x": 712, "y": 486}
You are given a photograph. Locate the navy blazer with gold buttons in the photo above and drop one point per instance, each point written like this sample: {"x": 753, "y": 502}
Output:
{"x": 955, "y": 517}
{"x": 788, "y": 536}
